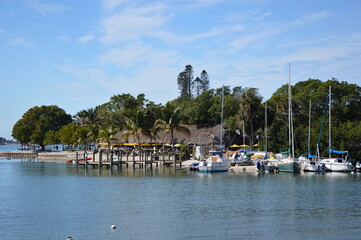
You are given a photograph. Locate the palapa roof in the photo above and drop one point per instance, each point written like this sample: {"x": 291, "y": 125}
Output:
{"x": 204, "y": 136}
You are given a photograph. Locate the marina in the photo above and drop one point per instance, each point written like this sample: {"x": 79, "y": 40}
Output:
{"x": 58, "y": 199}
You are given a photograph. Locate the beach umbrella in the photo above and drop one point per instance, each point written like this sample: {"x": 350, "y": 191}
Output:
{"x": 235, "y": 145}
{"x": 244, "y": 145}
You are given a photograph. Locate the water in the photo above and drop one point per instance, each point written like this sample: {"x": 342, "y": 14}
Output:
{"x": 54, "y": 200}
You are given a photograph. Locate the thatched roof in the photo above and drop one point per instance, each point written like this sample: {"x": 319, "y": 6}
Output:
{"x": 204, "y": 136}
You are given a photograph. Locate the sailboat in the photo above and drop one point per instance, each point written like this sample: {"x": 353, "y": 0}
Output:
{"x": 266, "y": 164}
{"x": 335, "y": 164}
{"x": 289, "y": 164}
{"x": 216, "y": 162}
{"x": 312, "y": 163}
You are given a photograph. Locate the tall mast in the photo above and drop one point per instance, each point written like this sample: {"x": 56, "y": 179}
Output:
{"x": 221, "y": 137}
{"x": 265, "y": 126}
{"x": 309, "y": 129}
{"x": 329, "y": 121}
{"x": 290, "y": 126}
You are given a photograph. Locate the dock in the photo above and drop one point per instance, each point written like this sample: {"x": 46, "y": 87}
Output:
{"x": 119, "y": 160}
{"x": 19, "y": 154}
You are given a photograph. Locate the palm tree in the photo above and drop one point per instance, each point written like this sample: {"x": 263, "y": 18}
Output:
{"x": 107, "y": 135}
{"x": 135, "y": 124}
{"x": 249, "y": 104}
{"x": 170, "y": 122}
{"x": 91, "y": 119}
{"x": 90, "y": 116}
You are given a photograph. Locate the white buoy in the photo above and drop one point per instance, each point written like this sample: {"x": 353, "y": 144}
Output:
{"x": 70, "y": 238}
{"x": 113, "y": 226}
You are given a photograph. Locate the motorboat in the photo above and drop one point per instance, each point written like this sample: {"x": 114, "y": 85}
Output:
{"x": 215, "y": 163}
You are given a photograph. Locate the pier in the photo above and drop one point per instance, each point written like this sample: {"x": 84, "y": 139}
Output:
{"x": 19, "y": 154}
{"x": 120, "y": 160}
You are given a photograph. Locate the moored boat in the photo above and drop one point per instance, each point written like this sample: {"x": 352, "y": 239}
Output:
{"x": 214, "y": 163}
{"x": 289, "y": 165}
{"x": 337, "y": 165}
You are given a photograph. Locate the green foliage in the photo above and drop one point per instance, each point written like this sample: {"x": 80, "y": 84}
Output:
{"x": 170, "y": 121}
{"x": 346, "y": 115}
{"x": 67, "y": 134}
{"x": 52, "y": 137}
{"x": 37, "y": 121}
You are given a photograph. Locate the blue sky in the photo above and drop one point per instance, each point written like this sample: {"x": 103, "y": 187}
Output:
{"x": 77, "y": 54}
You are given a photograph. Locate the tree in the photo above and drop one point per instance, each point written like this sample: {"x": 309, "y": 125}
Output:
{"x": 204, "y": 86}
{"x": 170, "y": 122}
{"x": 67, "y": 134}
{"x": 135, "y": 124}
{"x": 197, "y": 84}
{"x": 107, "y": 135}
{"x": 52, "y": 137}
{"x": 250, "y": 102}
{"x": 185, "y": 82}
{"x": 37, "y": 121}
{"x": 90, "y": 116}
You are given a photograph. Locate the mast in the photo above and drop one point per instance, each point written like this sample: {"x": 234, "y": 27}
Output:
{"x": 309, "y": 129}
{"x": 244, "y": 135}
{"x": 290, "y": 125}
{"x": 265, "y": 126}
{"x": 329, "y": 121}
{"x": 221, "y": 136}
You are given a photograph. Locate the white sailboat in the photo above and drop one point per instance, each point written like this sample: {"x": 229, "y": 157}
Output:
{"x": 312, "y": 163}
{"x": 216, "y": 162}
{"x": 266, "y": 164}
{"x": 335, "y": 164}
{"x": 289, "y": 164}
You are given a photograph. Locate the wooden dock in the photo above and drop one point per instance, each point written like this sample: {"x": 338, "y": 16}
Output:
{"x": 120, "y": 161}
{"x": 20, "y": 154}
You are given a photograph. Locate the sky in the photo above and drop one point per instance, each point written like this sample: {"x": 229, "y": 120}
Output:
{"x": 78, "y": 54}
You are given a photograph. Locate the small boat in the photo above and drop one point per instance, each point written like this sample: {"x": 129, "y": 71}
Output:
{"x": 314, "y": 166}
{"x": 194, "y": 166}
{"x": 215, "y": 163}
{"x": 311, "y": 163}
{"x": 269, "y": 165}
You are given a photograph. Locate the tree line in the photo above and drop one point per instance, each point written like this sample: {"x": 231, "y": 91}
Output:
{"x": 244, "y": 108}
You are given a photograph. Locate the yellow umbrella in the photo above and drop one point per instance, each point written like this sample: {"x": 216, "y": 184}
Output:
{"x": 235, "y": 145}
{"x": 244, "y": 145}
{"x": 256, "y": 145}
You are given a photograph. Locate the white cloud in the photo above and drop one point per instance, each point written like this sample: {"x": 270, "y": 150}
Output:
{"x": 134, "y": 23}
{"x": 86, "y": 38}
{"x": 109, "y": 5}
{"x": 22, "y": 42}
{"x": 44, "y": 8}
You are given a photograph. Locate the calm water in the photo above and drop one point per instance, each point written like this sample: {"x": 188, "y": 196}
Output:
{"x": 54, "y": 200}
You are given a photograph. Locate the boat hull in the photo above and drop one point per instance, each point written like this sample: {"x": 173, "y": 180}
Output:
{"x": 289, "y": 167}
{"x": 337, "y": 165}
{"x": 315, "y": 167}
{"x": 214, "y": 167}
